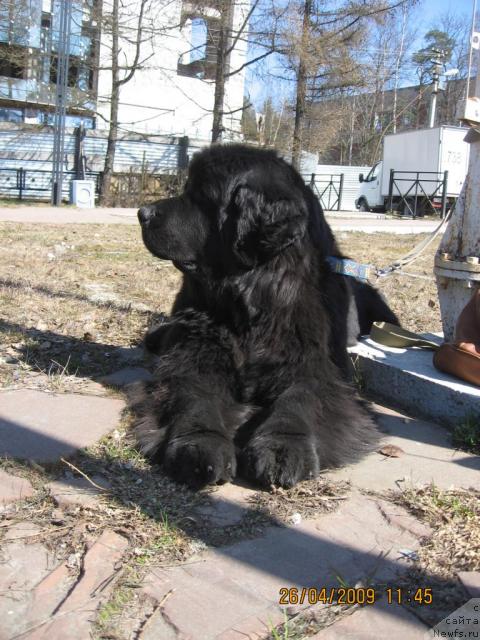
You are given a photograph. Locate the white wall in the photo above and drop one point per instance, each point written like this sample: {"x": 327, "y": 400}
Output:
{"x": 157, "y": 99}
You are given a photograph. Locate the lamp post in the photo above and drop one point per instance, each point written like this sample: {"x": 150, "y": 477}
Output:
{"x": 63, "y": 55}
{"x": 437, "y": 67}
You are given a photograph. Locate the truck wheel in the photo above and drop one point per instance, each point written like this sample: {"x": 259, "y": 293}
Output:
{"x": 363, "y": 205}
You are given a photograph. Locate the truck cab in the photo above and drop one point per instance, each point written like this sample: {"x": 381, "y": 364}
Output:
{"x": 369, "y": 195}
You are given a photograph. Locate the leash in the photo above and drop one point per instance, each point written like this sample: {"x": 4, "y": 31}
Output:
{"x": 391, "y": 335}
{"x": 348, "y": 267}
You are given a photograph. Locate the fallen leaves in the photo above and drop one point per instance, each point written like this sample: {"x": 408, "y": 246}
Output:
{"x": 391, "y": 451}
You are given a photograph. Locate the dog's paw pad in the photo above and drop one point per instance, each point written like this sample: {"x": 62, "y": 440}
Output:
{"x": 200, "y": 460}
{"x": 279, "y": 461}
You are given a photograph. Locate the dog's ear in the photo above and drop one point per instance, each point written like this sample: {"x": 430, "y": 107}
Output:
{"x": 265, "y": 224}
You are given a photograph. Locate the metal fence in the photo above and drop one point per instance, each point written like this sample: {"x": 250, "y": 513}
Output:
{"x": 26, "y": 160}
{"x": 36, "y": 184}
{"x": 418, "y": 193}
{"x": 328, "y": 189}
{"x": 143, "y": 165}
{"x": 350, "y": 184}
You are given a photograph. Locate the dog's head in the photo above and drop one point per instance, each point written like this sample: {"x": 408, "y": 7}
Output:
{"x": 240, "y": 208}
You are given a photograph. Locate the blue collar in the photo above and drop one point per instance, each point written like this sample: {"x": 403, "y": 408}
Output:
{"x": 346, "y": 267}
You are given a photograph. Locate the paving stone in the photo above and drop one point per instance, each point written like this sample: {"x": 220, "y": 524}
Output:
{"x": 227, "y": 506}
{"x": 21, "y": 531}
{"x": 13, "y": 488}
{"x": 404, "y": 520}
{"x": 77, "y": 612}
{"x": 235, "y": 589}
{"x": 44, "y": 426}
{"x": 376, "y": 622}
{"x": 76, "y": 491}
{"x": 48, "y": 595}
{"x": 471, "y": 582}
{"x": 158, "y": 628}
{"x": 128, "y": 375}
{"x": 23, "y": 564}
{"x": 428, "y": 457}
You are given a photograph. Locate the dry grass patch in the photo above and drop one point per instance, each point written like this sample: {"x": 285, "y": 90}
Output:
{"x": 454, "y": 546}
{"x": 454, "y": 516}
{"x": 72, "y": 295}
{"x": 305, "y": 500}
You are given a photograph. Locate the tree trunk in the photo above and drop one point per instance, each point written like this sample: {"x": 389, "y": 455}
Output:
{"x": 221, "y": 70}
{"x": 301, "y": 87}
{"x": 352, "y": 133}
{"x": 115, "y": 99}
{"x": 397, "y": 67}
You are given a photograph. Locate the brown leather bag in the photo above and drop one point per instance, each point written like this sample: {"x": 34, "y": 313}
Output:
{"x": 461, "y": 358}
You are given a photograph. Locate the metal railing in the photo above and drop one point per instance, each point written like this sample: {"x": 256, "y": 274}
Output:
{"x": 418, "y": 199}
{"x": 328, "y": 188}
{"x": 36, "y": 183}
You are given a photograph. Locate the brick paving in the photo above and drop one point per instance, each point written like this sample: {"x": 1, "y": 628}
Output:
{"x": 13, "y": 488}
{"x": 379, "y": 622}
{"x": 44, "y": 426}
{"x": 235, "y": 590}
{"x": 76, "y": 491}
{"x": 57, "y": 605}
{"x": 226, "y": 593}
{"x": 471, "y": 582}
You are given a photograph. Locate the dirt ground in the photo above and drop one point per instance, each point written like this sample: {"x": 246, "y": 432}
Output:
{"x": 71, "y": 294}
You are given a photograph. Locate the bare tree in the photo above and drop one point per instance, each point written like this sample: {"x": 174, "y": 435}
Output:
{"x": 114, "y": 25}
{"x": 324, "y": 56}
{"x": 398, "y": 61}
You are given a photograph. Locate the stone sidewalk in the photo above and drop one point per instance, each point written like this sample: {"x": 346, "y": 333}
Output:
{"x": 230, "y": 592}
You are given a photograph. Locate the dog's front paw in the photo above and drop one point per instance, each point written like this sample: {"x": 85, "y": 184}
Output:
{"x": 200, "y": 459}
{"x": 279, "y": 459}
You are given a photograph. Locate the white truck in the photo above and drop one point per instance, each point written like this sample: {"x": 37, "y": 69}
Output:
{"x": 420, "y": 173}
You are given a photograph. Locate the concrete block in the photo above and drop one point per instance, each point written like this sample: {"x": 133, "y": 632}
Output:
{"x": 407, "y": 379}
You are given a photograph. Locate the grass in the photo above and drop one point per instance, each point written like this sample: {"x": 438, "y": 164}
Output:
{"x": 466, "y": 436}
{"x": 454, "y": 516}
{"x": 73, "y": 295}
{"x": 282, "y": 632}
{"x": 453, "y": 546}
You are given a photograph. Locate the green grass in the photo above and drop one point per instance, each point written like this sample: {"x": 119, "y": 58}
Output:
{"x": 450, "y": 503}
{"x": 281, "y": 632}
{"x": 466, "y": 436}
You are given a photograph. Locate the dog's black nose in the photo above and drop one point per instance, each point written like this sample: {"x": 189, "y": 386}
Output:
{"x": 144, "y": 214}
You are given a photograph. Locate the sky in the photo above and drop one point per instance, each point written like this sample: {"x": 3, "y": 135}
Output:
{"x": 425, "y": 16}
{"x": 431, "y": 8}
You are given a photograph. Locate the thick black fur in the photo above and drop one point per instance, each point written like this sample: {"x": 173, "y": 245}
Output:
{"x": 251, "y": 375}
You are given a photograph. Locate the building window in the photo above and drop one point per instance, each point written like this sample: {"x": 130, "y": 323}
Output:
{"x": 11, "y": 115}
{"x": 199, "y": 39}
{"x": 12, "y": 61}
{"x": 202, "y": 34}
{"x": 76, "y": 71}
{"x": 70, "y": 121}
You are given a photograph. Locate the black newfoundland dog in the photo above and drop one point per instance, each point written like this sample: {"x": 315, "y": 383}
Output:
{"x": 252, "y": 367}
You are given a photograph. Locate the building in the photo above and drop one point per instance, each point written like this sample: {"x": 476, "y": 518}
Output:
{"x": 350, "y": 128}
{"x": 171, "y": 91}
{"x": 29, "y": 32}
